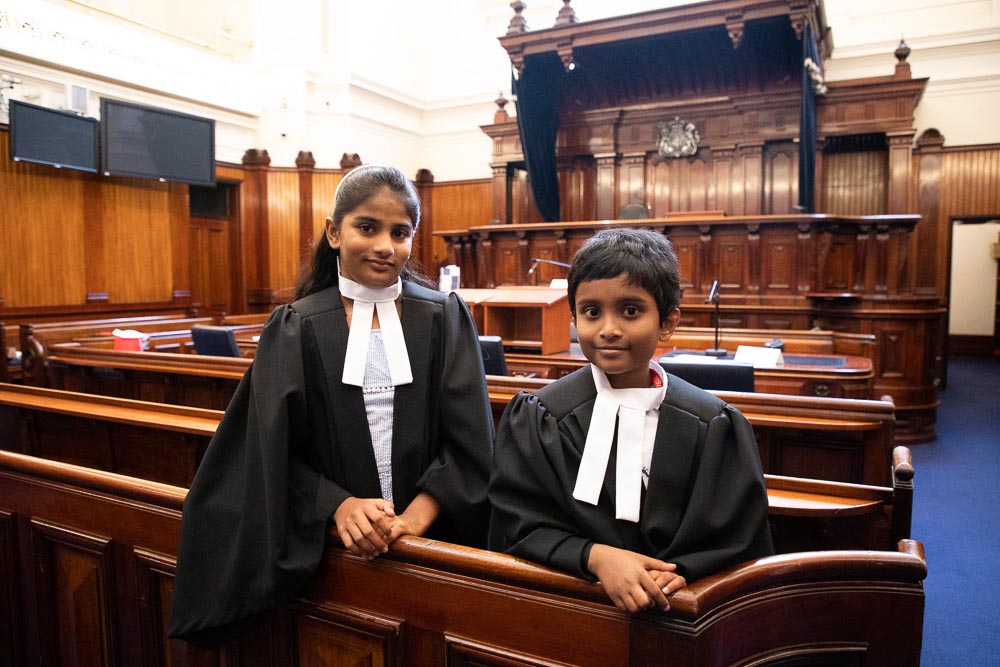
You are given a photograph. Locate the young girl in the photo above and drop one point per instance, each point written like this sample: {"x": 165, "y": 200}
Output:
{"x": 366, "y": 403}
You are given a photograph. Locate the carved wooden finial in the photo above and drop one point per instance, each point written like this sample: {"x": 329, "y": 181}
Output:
{"x": 501, "y": 115}
{"x": 350, "y": 161}
{"x": 517, "y": 24}
{"x": 256, "y": 157}
{"x": 424, "y": 177}
{"x": 901, "y": 53}
{"x": 566, "y": 15}
{"x": 305, "y": 159}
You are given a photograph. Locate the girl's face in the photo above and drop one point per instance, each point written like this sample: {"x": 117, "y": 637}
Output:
{"x": 619, "y": 329}
{"x": 375, "y": 240}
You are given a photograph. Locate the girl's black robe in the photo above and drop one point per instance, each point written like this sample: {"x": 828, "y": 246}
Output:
{"x": 704, "y": 508}
{"x": 294, "y": 443}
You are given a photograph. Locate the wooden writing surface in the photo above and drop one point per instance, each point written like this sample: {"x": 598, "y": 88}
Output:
{"x": 535, "y": 318}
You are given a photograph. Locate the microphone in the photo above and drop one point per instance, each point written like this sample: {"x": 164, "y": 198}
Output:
{"x": 713, "y": 294}
{"x": 538, "y": 260}
{"x": 713, "y": 297}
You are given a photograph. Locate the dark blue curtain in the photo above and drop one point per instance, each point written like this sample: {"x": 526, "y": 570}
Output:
{"x": 539, "y": 93}
{"x": 807, "y": 126}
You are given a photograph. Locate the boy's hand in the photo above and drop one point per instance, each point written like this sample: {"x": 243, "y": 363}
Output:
{"x": 668, "y": 581}
{"x": 364, "y": 524}
{"x": 628, "y": 577}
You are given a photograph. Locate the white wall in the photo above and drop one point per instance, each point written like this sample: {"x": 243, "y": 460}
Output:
{"x": 411, "y": 82}
{"x": 973, "y": 280}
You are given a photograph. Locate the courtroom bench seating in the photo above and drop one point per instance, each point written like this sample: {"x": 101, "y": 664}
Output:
{"x": 154, "y": 441}
{"x": 35, "y": 338}
{"x": 91, "y": 559}
{"x": 10, "y": 369}
{"x": 846, "y": 440}
{"x": 166, "y": 443}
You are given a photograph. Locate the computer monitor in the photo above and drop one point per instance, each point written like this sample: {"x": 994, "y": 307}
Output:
{"x": 718, "y": 374}
{"x": 494, "y": 359}
{"x": 214, "y": 340}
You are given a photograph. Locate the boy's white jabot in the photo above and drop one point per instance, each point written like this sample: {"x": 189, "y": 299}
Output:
{"x": 366, "y": 301}
{"x": 630, "y": 407}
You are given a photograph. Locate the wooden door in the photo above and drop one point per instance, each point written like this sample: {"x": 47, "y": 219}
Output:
{"x": 210, "y": 266}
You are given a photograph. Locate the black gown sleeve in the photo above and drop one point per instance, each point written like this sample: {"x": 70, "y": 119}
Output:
{"x": 725, "y": 520}
{"x": 531, "y": 518}
{"x": 458, "y": 475}
{"x": 254, "y": 520}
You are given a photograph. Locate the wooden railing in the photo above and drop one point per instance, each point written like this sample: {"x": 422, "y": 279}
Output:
{"x": 90, "y": 557}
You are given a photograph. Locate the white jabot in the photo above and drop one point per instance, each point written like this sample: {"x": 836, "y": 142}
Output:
{"x": 366, "y": 301}
{"x": 630, "y": 407}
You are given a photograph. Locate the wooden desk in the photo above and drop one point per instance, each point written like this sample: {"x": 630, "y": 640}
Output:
{"x": 527, "y": 317}
{"x": 851, "y": 380}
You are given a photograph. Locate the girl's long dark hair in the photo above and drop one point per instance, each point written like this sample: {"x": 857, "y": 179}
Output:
{"x": 354, "y": 190}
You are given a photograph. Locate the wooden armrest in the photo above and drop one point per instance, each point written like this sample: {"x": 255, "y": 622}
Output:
{"x": 902, "y": 464}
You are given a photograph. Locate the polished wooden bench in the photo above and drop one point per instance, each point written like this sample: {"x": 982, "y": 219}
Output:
{"x": 154, "y": 441}
{"x": 167, "y": 332}
{"x": 165, "y": 443}
{"x": 10, "y": 362}
{"x": 89, "y": 561}
{"x": 846, "y": 440}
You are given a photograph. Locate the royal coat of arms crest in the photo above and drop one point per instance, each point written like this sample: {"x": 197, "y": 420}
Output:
{"x": 677, "y": 138}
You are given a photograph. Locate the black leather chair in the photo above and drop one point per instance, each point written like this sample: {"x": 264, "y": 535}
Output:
{"x": 494, "y": 360}
{"x": 214, "y": 340}
{"x": 718, "y": 374}
{"x": 633, "y": 212}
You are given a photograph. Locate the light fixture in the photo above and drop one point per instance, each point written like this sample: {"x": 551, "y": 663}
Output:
{"x": 7, "y": 82}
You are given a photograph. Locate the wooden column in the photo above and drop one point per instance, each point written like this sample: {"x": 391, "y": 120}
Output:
{"x": 305, "y": 163}
{"x": 423, "y": 246}
{"x": 606, "y": 168}
{"x": 900, "y": 165}
{"x": 257, "y": 248}
{"x": 632, "y": 179}
{"x": 501, "y": 192}
{"x": 751, "y": 159}
{"x": 931, "y": 237}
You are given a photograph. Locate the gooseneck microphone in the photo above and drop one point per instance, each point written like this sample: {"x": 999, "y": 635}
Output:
{"x": 713, "y": 297}
{"x": 538, "y": 260}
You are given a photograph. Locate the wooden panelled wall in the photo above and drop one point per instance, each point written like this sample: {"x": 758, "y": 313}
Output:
{"x": 75, "y": 245}
{"x": 68, "y": 238}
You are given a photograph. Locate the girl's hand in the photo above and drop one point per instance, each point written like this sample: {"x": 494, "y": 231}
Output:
{"x": 364, "y": 525}
{"x": 628, "y": 577}
{"x": 417, "y": 518}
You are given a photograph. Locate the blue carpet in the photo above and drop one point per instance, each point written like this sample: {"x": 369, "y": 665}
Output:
{"x": 956, "y": 514}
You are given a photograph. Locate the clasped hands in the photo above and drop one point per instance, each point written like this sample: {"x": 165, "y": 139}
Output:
{"x": 367, "y": 526}
{"x": 633, "y": 581}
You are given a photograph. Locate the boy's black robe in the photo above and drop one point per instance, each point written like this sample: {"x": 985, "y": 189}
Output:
{"x": 705, "y": 506}
{"x": 295, "y": 443}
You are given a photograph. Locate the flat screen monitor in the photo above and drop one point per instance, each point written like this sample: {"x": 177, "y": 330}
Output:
{"x": 47, "y": 136}
{"x": 494, "y": 359}
{"x": 149, "y": 142}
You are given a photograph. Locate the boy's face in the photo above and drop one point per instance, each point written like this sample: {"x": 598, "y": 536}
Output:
{"x": 619, "y": 328}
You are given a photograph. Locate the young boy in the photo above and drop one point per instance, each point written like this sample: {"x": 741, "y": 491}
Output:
{"x": 683, "y": 496}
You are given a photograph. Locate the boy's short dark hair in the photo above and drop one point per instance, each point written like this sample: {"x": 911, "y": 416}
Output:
{"x": 645, "y": 256}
